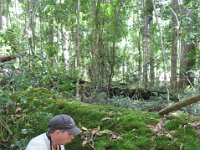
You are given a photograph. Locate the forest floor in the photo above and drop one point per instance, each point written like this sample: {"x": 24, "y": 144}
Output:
{"x": 26, "y": 114}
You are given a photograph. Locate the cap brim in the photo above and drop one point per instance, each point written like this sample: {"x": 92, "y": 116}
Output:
{"x": 74, "y": 131}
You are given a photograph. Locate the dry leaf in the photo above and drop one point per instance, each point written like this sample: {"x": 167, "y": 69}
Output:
{"x": 84, "y": 128}
{"x": 106, "y": 118}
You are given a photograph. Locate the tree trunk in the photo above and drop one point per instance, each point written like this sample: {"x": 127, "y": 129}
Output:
{"x": 32, "y": 27}
{"x": 151, "y": 42}
{"x": 77, "y": 50}
{"x": 145, "y": 43}
{"x": 180, "y": 104}
{"x": 66, "y": 48}
{"x": 124, "y": 59}
{"x": 1, "y": 21}
{"x": 183, "y": 63}
{"x": 93, "y": 70}
{"x": 173, "y": 79}
{"x": 140, "y": 55}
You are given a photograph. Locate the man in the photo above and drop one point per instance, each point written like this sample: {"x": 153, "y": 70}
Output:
{"x": 61, "y": 131}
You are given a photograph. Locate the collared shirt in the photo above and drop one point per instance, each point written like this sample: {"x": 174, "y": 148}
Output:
{"x": 41, "y": 142}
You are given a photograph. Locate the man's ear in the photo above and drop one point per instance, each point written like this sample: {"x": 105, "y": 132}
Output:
{"x": 57, "y": 131}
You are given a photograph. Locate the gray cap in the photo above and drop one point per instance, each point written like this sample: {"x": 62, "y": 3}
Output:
{"x": 64, "y": 122}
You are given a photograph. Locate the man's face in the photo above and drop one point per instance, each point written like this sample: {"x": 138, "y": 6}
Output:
{"x": 64, "y": 137}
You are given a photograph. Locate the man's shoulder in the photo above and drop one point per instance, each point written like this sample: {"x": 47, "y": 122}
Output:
{"x": 41, "y": 137}
{"x": 40, "y": 142}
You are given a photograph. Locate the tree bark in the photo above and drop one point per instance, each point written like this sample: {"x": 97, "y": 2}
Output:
{"x": 140, "y": 55}
{"x": 180, "y": 104}
{"x": 173, "y": 79}
{"x": 32, "y": 27}
{"x": 145, "y": 36}
{"x": 77, "y": 50}
{"x": 151, "y": 44}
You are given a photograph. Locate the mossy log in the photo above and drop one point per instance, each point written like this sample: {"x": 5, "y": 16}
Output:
{"x": 180, "y": 104}
{"x": 104, "y": 127}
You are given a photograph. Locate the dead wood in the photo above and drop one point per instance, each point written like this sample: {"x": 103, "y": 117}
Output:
{"x": 7, "y": 58}
{"x": 180, "y": 104}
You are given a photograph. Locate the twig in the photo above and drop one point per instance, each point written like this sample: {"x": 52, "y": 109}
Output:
{"x": 8, "y": 129}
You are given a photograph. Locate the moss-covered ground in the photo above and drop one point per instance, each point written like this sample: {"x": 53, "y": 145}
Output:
{"x": 104, "y": 127}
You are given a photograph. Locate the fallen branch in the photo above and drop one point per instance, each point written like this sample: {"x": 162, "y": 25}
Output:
{"x": 180, "y": 104}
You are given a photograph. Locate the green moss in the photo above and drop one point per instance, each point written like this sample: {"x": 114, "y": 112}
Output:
{"x": 174, "y": 124}
{"x": 39, "y": 105}
{"x": 165, "y": 143}
{"x": 188, "y": 136}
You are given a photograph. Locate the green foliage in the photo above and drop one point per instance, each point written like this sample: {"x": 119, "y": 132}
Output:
{"x": 51, "y": 49}
{"x": 42, "y": 74}
{"x": 9, "y": 39}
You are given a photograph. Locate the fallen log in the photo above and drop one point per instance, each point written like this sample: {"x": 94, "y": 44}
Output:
{"x": 7, "y": 58}
{"x": 180, "y": 104}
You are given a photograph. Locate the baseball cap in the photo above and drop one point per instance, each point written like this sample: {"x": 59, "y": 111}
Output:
{"x": 64, "y": 122}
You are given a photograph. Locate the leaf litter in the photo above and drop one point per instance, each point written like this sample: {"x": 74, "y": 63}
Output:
{"x": 89, "y": 135}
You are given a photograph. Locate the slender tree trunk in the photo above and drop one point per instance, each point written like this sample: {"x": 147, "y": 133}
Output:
{"x": 77, "y": 50}
{"x": 1, "y": 20}
{"x": 145, "y": 44}
{"x": 32, "y": 26}
{"x": 93, "y": 70}
{"x": 51, "y": 40}
{"x": 66, "y": 48}
{"x": 67, "y": 51}
{"x": 111, "y": 72}
{"x": 151, "y": 42}
{"x": 124, "y": 60}
{"x": 173, "y": 79}
{"x": 8, "y": 17}
{"x": 183, "y": 66}
{"x": 198, "y": 66}
{"x": 101, "y": 58}
{"x": 147, "y": 34}
{"x": 41, "y": 29}
{"x": 140, "y": 55}
{"x": 102, "y": 71}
